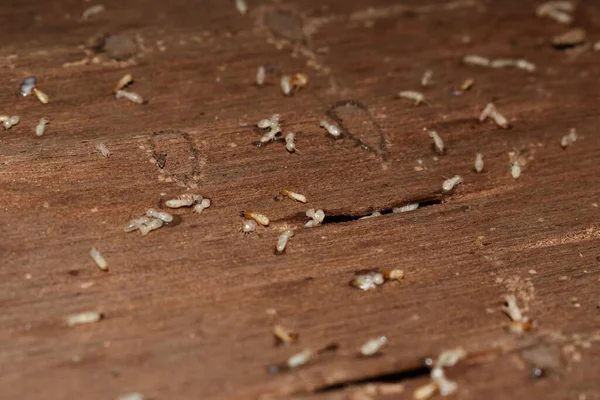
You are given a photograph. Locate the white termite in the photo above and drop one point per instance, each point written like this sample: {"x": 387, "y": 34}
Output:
{"x": 316, "y": 217}
{"x": 101, "y": 147}
{"x": 519, "y": 322}
{"x": 131, "y": 96}
{"x": 290, "y": 144}
{"x": 9, "y": 122}
{"x": 123, "y": 82}
{"x": 241, "y": 6}
{"x": 490, "y": 111}
{"x": 135, "y": 224}
{"x": 368, "y": 280}
{"x": 93, "y": 10}
{"x": 260, "y": 75}
{"x": 274, "y": 128}
{"x": 372, "y": 346}
{"x": 439, "y": 381}
{"x": 294, "y": 196}
{"x": 98, "y": 259}
{"x": 42, "y": 97}
{"x": 438, "y": 143}
{"x": 300, "y": 359}
{"x": 283, "y": 240}
{"x": 89, "y": 317}
{"x": 27, "y": 85}
{"x": 248, "y": 226}
{"x": 204, "y": 204}
{"x": 569, "y": 139}
{"x": 556, "y": 10}
{"x": 164, "y": 216}
{"x": 476, "y": 60}
{"x": 515, "y": 170}
{"x": 374, "y": 214}
{"x": 503, "y": 63}
{"x": 131, "y": 396}
{"x": 478, "y": 162}
{"x": 41, "y": 127}
{"x": 416, "y": 97}
{"x": 426, "y": 78}
{"x": 286, "y": 85}
{"x": 331, "y": 129}
{"x": 184, "y": 200}
{"x": 406, "y": 208}
{"x": 449, "y": 184}
{"x": 256, "y": 216}
{"x": 150, "y": 226}
{"x": 525, "y": 65}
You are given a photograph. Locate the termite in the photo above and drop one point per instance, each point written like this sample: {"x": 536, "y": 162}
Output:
{"x": 478, "y": 162}
{"x": 153, "y": 224}
{"x": 184, "y": 200}
{"x": 367, "y": 281}
{"x": 101, "y": 147}
{"x": 260, "y": 75}
{"x": 283, "y": 336}
{"x": 205, "y": 203}
{"x": 286, "y": 85}
{"x": 416, "y": 97}
{"x": 9, "y": 122}
{"x": 164, "y": 216}
{"x": 438, "y": 143}
{"x": 569, "y": 139}
{"x": 476, "y": 60}
{"x": 98, "y": 259}
{"x": 290, "y": 144}
{"x": 298, "y": 81}
{"x": 248, "y": 226}
{"x": 283, "y": 240}
{"x": 41, "y": 127}
{"x": 515, "y": 170}
{"x": 42, "y": 97}
{"x": 125, "y": 81}
{"x": 241, "y": 6}
{"x": 426, "y": 79}
{"x": 258, "y": 217}
{"x": 135, "y": 224}
{"x": 331, "y": 129}
{"x": 316, "y": 217}
{"x": 372, "y": 346}
{"x": 292, "y": 195}
{"x": 449, "y": 184}
{"x": 84, "y": 318}
{"x": 406, "y": 208}
{"x": 131, "y": 96}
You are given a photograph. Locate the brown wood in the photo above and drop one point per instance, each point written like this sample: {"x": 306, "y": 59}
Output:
{"x": 186, "y": 305}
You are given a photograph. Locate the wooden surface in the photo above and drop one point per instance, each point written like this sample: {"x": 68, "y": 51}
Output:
{"x": 186, "y": 305}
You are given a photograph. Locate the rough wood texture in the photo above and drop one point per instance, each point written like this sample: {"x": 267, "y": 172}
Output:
{"x": 185, "y": 306}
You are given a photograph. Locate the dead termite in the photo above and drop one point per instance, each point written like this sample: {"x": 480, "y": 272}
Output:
{"x": 372, "y": 346}
{"x": 42, "y": 97}
{"x": 93, "y": 10}
{"x": 406, "y": 208}
{"x": 258, "y": 217}
{"x": 439, "y": 381}
{"x": 476, "y": 60}
{"x": 569, "y": 139}
{"x": 331, "y": 129}
{"x": 125, "y": 81}
{"x": 290, "y": 144}
{"x": 368, "y": 280}
{"x": 317, "y": 217}
{"x": 41, "y": 126}
{"x": 27, "y": 85}
{"x": 98, "y": 259}
{"x": 438, "y": 143}
{"x": 416, "y": 97}
{"x": 426, "y": 78}
{"x": 556, "y": 10}
{"x": 283, "y": 336}
{"x": 283, "y": 240}
{"x": 248, "y": 226}
{"x": 9, "y": 122}
{"x": 201, "y": 206}
{"x": 478, "y": 162}
{"x": 89, "y": 317}
{"x": 515, "y": 170}
{"x": 450, "y": 184}
{"x": 519, "y": 322}
{"x": 490, "y": 111}
{"x": 101, "y": 147}
{"x": 260, "y": 75}
{"x": 184, "y": 200}
{"x": 131, "y": 96}
{"x": 292, "y": 195}
{"x": 241, "y": 6}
